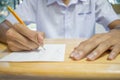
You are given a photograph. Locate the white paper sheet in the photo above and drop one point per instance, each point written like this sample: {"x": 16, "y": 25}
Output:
{"x": 52, "y": 52}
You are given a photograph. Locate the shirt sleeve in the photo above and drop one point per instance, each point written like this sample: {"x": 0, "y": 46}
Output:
{"x": 26, "y": 11}
{"x": 105, "y": 13}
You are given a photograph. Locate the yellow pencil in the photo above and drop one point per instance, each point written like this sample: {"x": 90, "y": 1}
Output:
{"x": 15, "y": 15}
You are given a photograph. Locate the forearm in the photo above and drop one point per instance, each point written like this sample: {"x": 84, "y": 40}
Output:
{"x": 4, "y": 26}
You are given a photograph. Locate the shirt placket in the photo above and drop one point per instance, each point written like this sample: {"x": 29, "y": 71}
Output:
{"x": 67, "y": 23}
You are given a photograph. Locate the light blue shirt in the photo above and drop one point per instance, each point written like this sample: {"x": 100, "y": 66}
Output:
{"x": 77, "y": 20}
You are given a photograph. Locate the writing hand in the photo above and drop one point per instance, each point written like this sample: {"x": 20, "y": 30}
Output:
{"x": 21, "y": 38}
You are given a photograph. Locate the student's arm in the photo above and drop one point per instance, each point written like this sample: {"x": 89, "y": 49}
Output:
{"x": 18, "y": 37}
{"x": 94, "y": 47}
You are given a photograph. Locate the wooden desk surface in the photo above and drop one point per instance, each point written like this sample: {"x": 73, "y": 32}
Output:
{"x": 99, "y": 69}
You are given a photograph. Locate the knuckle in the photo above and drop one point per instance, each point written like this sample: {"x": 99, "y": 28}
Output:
{"x": 94, "y": 43}
{"x": 9, "y": 32}
{"x": 105, "y": 44}
{"x": 102, "y": 45}
{"x": 9, "y": 43}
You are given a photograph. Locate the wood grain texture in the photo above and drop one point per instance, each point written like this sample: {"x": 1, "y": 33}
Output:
{"x": 99, "y": 69}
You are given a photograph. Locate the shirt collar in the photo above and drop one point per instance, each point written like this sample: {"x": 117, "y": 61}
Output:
{"x": 53, "y": 1}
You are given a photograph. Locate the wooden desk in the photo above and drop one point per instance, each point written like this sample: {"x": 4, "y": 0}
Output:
{"x": 99, "y": 69}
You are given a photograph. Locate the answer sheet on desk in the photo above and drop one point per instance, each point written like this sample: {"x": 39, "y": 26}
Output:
{"x": 52, "y": 52}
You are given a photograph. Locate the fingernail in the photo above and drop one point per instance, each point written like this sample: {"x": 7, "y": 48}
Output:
{"x": 72, "y": 55}
{"x": 78, "y": 56}
{"x": 111, "y": 56}
{"x": 92, "y": 56}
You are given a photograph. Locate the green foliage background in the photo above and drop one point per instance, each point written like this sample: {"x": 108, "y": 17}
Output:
{"x": 3, "y": 8}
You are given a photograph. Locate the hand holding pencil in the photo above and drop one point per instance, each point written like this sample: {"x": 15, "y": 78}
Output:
{"x": 20, "y": 38}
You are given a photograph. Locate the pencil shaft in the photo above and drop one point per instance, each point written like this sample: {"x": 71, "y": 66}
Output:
{"x": 15, "y": 15}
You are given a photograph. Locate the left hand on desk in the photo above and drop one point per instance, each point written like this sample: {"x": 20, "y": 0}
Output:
{"x": 94, "y": 47}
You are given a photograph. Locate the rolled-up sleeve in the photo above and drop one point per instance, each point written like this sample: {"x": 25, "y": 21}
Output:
{"x": 105, "y": 13}
{"x": 26, "y": 12}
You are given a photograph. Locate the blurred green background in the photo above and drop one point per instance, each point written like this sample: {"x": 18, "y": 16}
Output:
{"x": 116, "y": 5}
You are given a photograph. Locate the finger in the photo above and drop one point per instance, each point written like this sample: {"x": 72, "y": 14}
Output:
{"x": 12, "y": 40}
{"x": 76, "y": 55}
{"x": 79, "y": 52}
{"x": 32, "y": 35}
{"x": 13, "y": 47}
{"x": 12, "y": 35}
{"x": 104, "y": 46}
{"x": 114, "y": 52}
{"x": 87, "y": 46}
